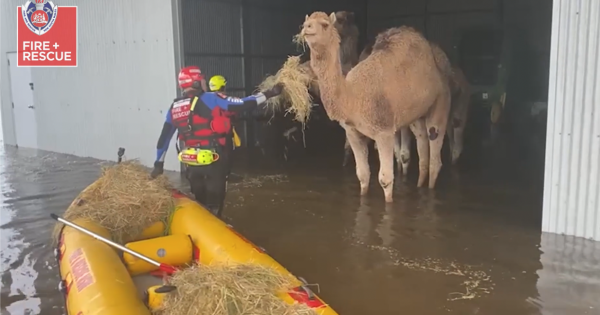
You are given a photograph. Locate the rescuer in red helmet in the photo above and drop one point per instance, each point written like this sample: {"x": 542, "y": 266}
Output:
{"x": 203, "y": 122}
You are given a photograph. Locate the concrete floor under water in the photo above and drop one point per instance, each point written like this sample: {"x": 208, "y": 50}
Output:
{"x": 472, "y": 246}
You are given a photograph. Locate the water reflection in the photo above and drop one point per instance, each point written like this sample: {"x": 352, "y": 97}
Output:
{"x": 384, "y": 229}
{"x": 18, "y": 273}
{"x": 570, "y": 270}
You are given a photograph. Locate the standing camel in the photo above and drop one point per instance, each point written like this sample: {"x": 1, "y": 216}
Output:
{"x": 348, "y": 30}
{"x": 461, "y": 93}
{"x": 399, "y": 84}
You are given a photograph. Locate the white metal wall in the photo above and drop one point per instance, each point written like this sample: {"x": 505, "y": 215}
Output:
{"x": 118, "y": 94}
{"x": 572, "y": 176}
{"x": 8, "y": 43}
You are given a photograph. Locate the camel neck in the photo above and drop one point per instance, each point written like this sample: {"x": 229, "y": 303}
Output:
{"x": 332, "y": 84}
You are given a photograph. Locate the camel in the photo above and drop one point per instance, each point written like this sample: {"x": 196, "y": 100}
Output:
{"x": 460, "y": 91}
{"x": 348, "y": 30}
{"x": 397, "y": 85}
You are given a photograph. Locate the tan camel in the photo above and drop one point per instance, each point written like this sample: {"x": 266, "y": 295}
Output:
{"x": 460, "y": 91}
{"x": 348, "y": 31}
{"x": 399, "y": 84}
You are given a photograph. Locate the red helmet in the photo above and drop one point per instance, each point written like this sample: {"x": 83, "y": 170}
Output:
{"x": 190, "y": 77}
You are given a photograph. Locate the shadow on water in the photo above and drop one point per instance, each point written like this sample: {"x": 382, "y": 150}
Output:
{"x": 471, "y": 247}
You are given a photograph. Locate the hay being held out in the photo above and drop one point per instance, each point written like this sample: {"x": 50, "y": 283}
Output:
{"x": 124, "y": 200}
{"x": 295, "y": 97}
{"x": 227, "y": 289}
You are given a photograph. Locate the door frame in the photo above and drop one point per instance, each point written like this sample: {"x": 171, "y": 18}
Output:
{"x": 12, "y": 107}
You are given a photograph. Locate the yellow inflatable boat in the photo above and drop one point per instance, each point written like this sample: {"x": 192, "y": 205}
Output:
{"x": 99, "y": 280}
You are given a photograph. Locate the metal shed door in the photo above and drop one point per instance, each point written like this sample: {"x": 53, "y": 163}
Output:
{"x": 21, "y": 88}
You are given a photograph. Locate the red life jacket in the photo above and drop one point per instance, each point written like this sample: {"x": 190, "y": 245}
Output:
{"x": 205, "y": 127}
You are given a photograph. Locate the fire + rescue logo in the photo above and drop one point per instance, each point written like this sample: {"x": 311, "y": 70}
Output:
{"x": 39, "y": 15}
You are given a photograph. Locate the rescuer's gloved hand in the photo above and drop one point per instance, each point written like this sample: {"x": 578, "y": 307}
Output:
{"x": 274, "y": 91}
{"x": 158, "y": 169}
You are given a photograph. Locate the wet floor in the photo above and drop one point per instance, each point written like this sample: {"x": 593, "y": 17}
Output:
{"x": 473, "y": 246}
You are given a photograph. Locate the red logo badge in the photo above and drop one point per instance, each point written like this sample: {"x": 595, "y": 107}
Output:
{"x": 46, "y": 35}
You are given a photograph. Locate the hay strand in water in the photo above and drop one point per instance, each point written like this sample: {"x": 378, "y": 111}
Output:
{"x": 229, "y": 289}
{"x": 124, "y": 200}
{"x": 295, "y": 79}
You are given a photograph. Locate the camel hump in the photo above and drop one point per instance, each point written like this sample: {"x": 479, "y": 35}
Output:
{"x": 386, "y": 39}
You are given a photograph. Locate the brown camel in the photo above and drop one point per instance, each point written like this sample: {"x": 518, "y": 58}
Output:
{"x": 348, "y": 31}
{"x": 399, "y": 84}
{"x": 460, "y": 91}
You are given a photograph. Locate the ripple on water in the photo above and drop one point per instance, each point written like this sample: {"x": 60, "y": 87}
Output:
{"x": 475, "y": 283}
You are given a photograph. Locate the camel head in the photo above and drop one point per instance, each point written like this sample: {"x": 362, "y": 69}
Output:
{"x": 344, "y": 22}
{"x": 319, "y": 31}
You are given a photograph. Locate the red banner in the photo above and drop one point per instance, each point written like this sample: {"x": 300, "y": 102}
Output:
{"x": 46, "y": 35}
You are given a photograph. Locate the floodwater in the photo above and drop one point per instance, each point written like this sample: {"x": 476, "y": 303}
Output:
{"x": 472, "y": 246}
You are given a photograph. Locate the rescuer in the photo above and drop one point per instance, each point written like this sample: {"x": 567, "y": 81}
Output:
{"x": 218, "y": 84}
{"x": 203, "y": 122}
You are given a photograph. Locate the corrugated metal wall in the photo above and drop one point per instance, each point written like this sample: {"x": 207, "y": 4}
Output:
{"x": 439, "y": 20}
{"x": 118, "y": 94}
{"x": 572, "y": 177}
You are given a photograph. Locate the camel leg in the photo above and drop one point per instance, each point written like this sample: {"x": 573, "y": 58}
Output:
{"x": 436, "y": 122}
{"x": 360, "y": 149}
{"x": 402, "y": 150}
{"x": 385, "y": 144}
{"x": 420, "y": 131}
{"x": 450, "y": 135}
{"x": 458, "y": 143}
{"x": 347, "y": 152}
{"x": 397, "y": 146}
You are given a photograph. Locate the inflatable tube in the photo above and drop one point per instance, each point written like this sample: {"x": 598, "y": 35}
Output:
{"x": 216, "y": 241}
{"x": 94, "y": 281}
{"x": 174, "y": 250}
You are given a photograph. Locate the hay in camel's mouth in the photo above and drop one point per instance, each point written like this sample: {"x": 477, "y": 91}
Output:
{"x": 300, "y": 40}
{"x": 230, "y": 289}
{"x": 295, "y": 97}
{"x": 124, "y": 200}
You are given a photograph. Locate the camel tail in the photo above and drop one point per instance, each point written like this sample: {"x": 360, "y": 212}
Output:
{"x": 441, "y": 61}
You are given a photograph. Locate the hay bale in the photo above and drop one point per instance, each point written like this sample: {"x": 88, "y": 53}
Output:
{"x": 124, "y": 200}
{"x": 230, "y": 289}
{"x": 295, "y": 79}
